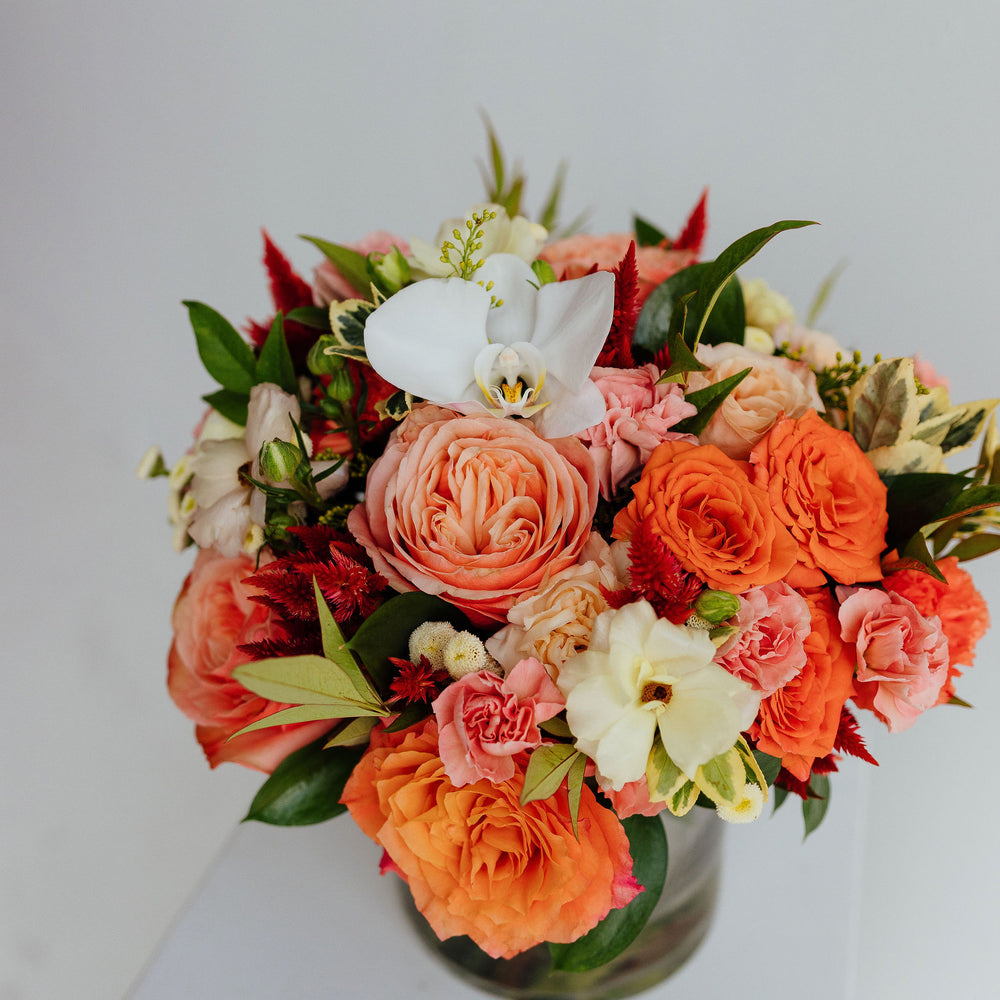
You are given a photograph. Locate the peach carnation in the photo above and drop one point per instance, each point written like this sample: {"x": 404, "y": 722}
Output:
{"x": 213, "y": 615}
{"x": 576, "y": 255}
{"x": 638, "y": 416}
{"x": 775, "y": 387}
{"x": 476, "y": 509}
{"x": 902, "y": 657}
{"x": 799, "y": 722}
{"x": 716, "y": 522}
{"x": 829, "y": 496}
{"x": 960, "y": 607}
{"x": 477, "y": 862}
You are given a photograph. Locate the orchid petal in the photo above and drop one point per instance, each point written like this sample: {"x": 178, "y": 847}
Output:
{"x": 516, "y": 284}
{"x": 571, "y": 324}
{"x": 425, "y": 338}
{"x": 569, "y": 412}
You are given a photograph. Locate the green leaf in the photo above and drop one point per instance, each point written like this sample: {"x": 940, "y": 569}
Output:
{"x": 707, "y": 401}
{"x": 961, "y": 702}
{"x": 549, "y": 216}
{"x": 307, "y": 680}
{"x": 725, "y": 266}
{"x": 883, "y": 407}
{"x": 822, "y": 294}
{"x": 352, "y": 733}
{"x": 543, "y": 272}
{"x": 974, "y": 546}
{"x": 916, "y": 499}
{"x": 682, "y": 361}
{"x": 556, "y": 726}
{"x": 386, "y": 631}
{"x": 232, "y": 405}
{"x": 915, "y": 555}
{"x": 411, "y": 715}
{"x": 315, "y": 317}
{"x": 306, "y": 786}
{"x": 275, "y": 362}
{"x": 814, "y": 808}
{"x": 646, "y": 234}
{"x": 335, "y": 645}
{"x": 723, "y": 777}
{"x": 574, "y": 788}
{"x": 351, "y": 264}
{"x": 769, "y": 766}
{"x": 289, "y": 716}
{"x": 970, "y": 501}
{"x": 780, "y": 794}
{"x": 661, "y": 313}
{"x": 648, "y": 847}
{"x": 547, "y": 769}
{"x": 227, "y": 357}
{"x": 968, "y": 424}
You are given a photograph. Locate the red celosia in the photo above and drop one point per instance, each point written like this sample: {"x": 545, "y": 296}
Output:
{"x": 417, "y": 682}
{"x": 849, "y": 739}
{"x": 617, "y": 350}
{"x": 692, "y": 236}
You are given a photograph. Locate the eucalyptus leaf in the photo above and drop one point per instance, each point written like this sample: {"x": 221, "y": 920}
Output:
{"x": 232, "y": 405}
{"x": 275, "y": 362}
{"x": 648, "y": 847}
{"x": 815, "y": 806}
{"x": 386, "y": 632}
{"x": 351, "y": 264}
{"x": 306, "y": 786}
{"x": 227, "y": 357}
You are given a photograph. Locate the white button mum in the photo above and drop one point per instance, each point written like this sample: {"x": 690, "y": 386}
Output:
{"x": 642, "y": 674}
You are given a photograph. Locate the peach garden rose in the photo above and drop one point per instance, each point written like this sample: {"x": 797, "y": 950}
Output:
{"x": 476, "y": 509}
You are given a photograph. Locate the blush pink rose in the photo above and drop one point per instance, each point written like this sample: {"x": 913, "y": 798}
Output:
{"x": 638, "y": 416}
{"x": 632, "y": 799}
{"x": 774, "y": 622}
{"x": 213, "y": 615}
{"x": 329, "y": 285}
{"x": 575, "y": 256}
{"x": 774, "y": 387}
{"x": 477, "y": 510}
{"x": 902, "y": 657}
{"x": 484, "y": 720}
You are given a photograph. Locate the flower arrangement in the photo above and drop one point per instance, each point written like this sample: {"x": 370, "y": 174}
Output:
{"x": 507, "y": 544}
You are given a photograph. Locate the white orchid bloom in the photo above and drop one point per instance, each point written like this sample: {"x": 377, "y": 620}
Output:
{"x": 642, "y": 674}
{"x": 499, "y": 343}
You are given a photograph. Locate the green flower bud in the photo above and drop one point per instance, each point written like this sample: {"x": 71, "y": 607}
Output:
{"x": 279, "y": 460}
{"x": 321, "y": 363}
{"x": 390, "y": 270}
{"x": 341, "y": 386}
{"x": 716, "y": 605}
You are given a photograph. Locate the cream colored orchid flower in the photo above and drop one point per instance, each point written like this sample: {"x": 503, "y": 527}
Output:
{"x": 642, "y": 674}
{"x": 499, "y": 343}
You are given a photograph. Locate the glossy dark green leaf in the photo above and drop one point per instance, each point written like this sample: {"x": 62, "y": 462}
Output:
{"x": 232, "y": 405}
{"x": 975, "y": 546}
{"x": 648, "y": 847}
{"x": 306, "y": 786}
{"x": 682, "y": 361}
{"x": 646, "y": 234}
{"x": 708, "y": 400}
{"x": 918, "y": 498}
{"x": 386, "y": 632}
{"x": 315, "y": 317}
{"x": 274, "y": 363}
{"x": 227, "y": 357}
{"x": 971, "y": 501}
{"x": 814, "y": 808}
{"x": 769, "y": 766}
{"x": 780, "y": 795}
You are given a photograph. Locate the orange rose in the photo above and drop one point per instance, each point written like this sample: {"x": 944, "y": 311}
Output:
{"x": 475, "y": 509}
{"x": 799, "y": 722}
{"x": 477, "y": 862}
{"x": 830, "y": 497}
{"x": 708, "y": 513}
{"x": 214, "y": 614}
{"x": 961, "y": 608}
{"x": 576, "y": 256}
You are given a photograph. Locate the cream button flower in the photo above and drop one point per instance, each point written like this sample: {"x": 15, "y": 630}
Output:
{"x": 498, "y": 343}
{"x": 642, "y": 675}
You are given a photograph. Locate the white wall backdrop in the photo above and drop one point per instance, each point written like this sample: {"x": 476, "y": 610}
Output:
{"x": 143, "y": 145}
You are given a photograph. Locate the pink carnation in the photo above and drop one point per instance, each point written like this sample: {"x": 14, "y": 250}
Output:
{"x": 329, "y": 285}
{"x": 484, "y": 720}
{"x": 902, "y": 656}
{"x": 638, "y": 416}
{"x": 774, "y": 622}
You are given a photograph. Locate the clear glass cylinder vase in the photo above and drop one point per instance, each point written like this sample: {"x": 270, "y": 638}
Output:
{"x": 677, "y": 926}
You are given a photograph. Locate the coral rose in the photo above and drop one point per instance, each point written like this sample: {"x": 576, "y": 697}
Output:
{"x": 477, "y": 862}
{"x": 799, "y": 722}
{"x": 213, "y": 615}
{"x": 477, "y": 509}
{"x": 774, "y": 387}
{"x": 902, "y": 657}
{"x": 638, "y": 416}
{"x": 824, "y": 489}
{"x": 716, "y": 522}
{"x": 576, "y": 255}
{"x": 960, "y": 607}
{"x": 485, "y": 720}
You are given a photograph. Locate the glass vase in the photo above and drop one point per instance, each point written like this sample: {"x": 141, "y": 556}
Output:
{"x": 676, "y": 927}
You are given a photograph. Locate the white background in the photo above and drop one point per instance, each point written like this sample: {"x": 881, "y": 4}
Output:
{"x": 143, "y": 145}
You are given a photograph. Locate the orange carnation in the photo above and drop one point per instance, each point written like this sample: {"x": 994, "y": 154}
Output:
{"x": 799, "y": 722}
{"x": 828, "y": 495}
{"x": 961, "y": 608}
{"x": 716, "y": 522}
{"x": 477, "y": 862}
